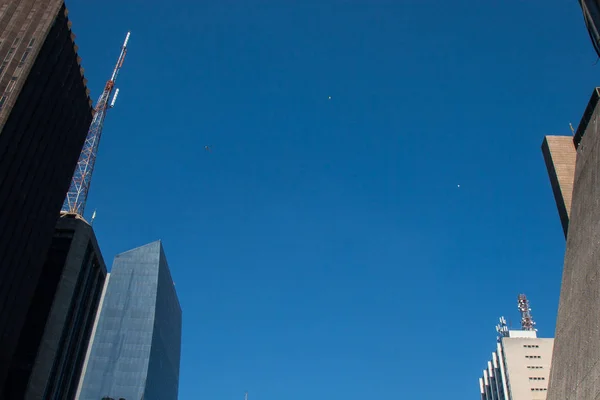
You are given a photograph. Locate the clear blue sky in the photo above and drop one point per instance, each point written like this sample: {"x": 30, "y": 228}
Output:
{"x": 323, "y": 249}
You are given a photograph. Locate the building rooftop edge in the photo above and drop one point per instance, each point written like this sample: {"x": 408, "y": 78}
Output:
{"x": 139, "y": 247}
{"x": 586, "y": 117}
{"x": 64, "y": 214}
{"x": 76, "y": 48}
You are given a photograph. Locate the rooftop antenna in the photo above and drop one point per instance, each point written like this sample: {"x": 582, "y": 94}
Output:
{"x": 93, "y": 218}
{"x": 527, "y": 323}
{"x": 502, "y": 328}
{"x": 571, "y": 126}
{"x": 80, "y": 184}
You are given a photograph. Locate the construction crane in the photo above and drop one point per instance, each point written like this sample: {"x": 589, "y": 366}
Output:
{"x": 80, "y": 184}
{"x": 527, "y": 323}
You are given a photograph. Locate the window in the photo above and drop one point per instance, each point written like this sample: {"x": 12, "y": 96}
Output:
{"x": 9, "y": 54}
{"x": 537, "y": 378}
{"x": 11, "y": 84}
{"x": 538, "y": 389}
{"x": 27, "y": 51}
{"x": 535, "y": 367}
{"x": 531, "y": 346}
{"x": 22, "y": 62}
{"x": 533, "y": 356}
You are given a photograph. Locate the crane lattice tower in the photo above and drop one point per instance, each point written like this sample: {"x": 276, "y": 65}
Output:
{"x": 82, "y": 177}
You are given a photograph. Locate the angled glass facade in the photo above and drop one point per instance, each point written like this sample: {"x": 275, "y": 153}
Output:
{"x": 136, "y": 348}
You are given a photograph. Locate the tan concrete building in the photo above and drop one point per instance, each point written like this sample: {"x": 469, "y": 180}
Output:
{"x": 560, "y": 155}
{"x": 519, "y": 368}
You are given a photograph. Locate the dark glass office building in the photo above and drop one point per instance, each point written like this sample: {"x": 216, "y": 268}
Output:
{"x": 45, "y": 112}
{"x": 591, "y": 16}
{"x": 53, "y": 344}
{"x": 136, "y": 347}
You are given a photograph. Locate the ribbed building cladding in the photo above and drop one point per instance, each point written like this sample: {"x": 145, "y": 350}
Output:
{"x": 135, "y": 351}
{"x": 45, "y": 112}
{"x": 54, "y": 341}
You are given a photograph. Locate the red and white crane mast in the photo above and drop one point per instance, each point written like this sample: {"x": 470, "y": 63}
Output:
{"x": 80, "y": 184}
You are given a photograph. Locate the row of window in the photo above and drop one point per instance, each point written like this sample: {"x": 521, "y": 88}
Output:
{"x": 531, "y": 346}
{"x": 538, "y": 389}
{"x": 27, "y": 51}
{"x": 533, "y": 356}
{"x": 537, "y": 378}
{"x": 535, "y": 367}
{"x": 7, "y": 60}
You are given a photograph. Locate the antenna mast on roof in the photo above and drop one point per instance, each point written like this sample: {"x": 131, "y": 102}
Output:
{"x": 502, "y": 328}
{"x": 82, "y": 177}
{"x": 527, "y": 323}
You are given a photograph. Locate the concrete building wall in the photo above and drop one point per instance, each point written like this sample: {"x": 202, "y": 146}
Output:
{"x": 575, "y": 372}
{"x": 45, "y": 112}
{"x": 527, "y": 363}
{"x": 560, "y": 156}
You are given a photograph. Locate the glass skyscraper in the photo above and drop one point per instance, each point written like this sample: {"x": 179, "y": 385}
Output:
{"x": 137, "y": 341}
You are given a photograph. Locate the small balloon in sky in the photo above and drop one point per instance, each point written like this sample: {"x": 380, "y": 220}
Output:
{"x": 457, "y": 185}
{"x": 329, "y": 97}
